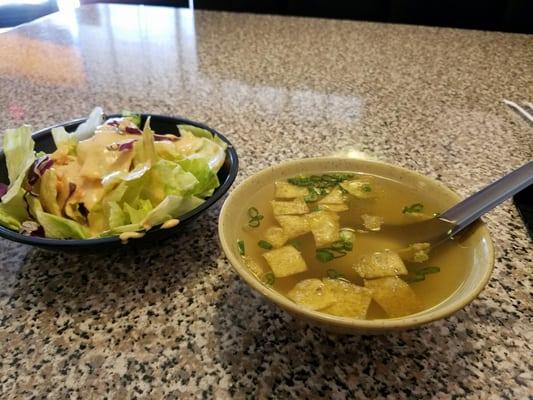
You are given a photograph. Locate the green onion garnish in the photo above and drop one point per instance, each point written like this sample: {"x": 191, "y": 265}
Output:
{"x": 413, "y": 208}
{"x": 366, "y": 188}
{"x": 411, "y": 278}
{"x": 255, "y": 217}
{"x": 320, "y": 181}
{"x": 240, "y": 245}
{"x": 268, "y": 279}
{"x": 428, "y": 270}
{"x": 419, "y": 274}
{"x": 334, "y": 274}
{"x": 324, "y": 255}
{"x": 264, "y": 244}
{"x": 338, "y": 248}
{"x": 312, "y": 195}
{"x": 338, "y": 245}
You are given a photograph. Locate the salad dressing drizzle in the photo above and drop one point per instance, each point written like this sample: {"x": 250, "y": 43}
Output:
{"x": 125, "y": 236}
{"x": 171, "y": 223}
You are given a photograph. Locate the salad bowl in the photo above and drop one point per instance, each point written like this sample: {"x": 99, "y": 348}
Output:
{"x": 44, "y": 142}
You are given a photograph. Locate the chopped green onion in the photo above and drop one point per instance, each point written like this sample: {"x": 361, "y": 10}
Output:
{"x": 338, "y": 245}
{"x": 338, "y": 248}
{"x": 413, "y": 208}
{"x": 428, "y": 270}
{"x": 264, "y": 244}
{"x": 268, "y": 278}
{"x": 334, "y": 274}
{"x": 255, "y": 217}
{"x": 347, "y": 235}
{"x": 366, "y": 188}
{"x": 240, "y": 244}
{"x": 312, "y": 195}
{"x": 411, "y": 278}
{"x": 323, "y": 255}
{"x": 420, "y": 274}
{"x": 320, "y": 181}
{"x": 300, "y": 181}
{"x": 329, "y": 178}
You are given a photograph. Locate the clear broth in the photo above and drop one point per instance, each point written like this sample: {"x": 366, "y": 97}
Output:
{"x": 391, "y": 198}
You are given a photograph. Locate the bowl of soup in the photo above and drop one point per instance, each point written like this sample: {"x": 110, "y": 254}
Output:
{"x": 314, "y": 236}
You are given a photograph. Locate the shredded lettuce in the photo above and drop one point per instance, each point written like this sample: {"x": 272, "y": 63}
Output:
{"x": 167, "y": 209}
{"x": 61, "y": 228}
{"x": 213, "y": 153}
{"x": 149, "y": 154}
{"x": 189, "y": 204}
{"x": 117, "y": 216}
{"x": 48, "y": 192}
{"x": 13, "y": 213}
{"x": 135, "y": 118}
{"x": 7, "y": 220}
{"x": 18, "y": 149}
{"x": 60, "y": 136}
{"x": 200, "y": 132}
{"x": 96, "y": 188}
{"x": 138, "y": 213}
{"x": 207, "y": 179}
{"x": 87, "y": 129}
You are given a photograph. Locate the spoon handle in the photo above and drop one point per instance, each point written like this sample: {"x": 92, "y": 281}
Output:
{"x": 473, "y": 207}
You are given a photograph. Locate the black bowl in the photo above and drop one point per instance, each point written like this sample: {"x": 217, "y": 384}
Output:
{"x": 160, "y": 124}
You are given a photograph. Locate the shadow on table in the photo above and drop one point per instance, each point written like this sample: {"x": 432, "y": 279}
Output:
{"x": 269, "y": 353}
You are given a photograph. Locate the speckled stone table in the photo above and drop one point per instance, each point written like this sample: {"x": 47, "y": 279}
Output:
{"x": 174, "y": 321}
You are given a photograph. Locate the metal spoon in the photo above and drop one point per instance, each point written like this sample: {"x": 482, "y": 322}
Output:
{"x": 452, "y": 221}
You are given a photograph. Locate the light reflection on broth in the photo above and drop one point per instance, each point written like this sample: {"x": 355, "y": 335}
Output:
{"x": 390, "y": 198}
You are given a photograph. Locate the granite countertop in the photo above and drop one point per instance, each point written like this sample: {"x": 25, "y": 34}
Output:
{"x": 175, "y": 321}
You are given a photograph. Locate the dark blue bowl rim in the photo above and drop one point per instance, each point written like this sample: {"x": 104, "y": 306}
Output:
{"x": 231, "y": 154}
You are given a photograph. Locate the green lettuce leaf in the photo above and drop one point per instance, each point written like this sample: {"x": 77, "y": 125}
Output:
{"x": 135, "y": 118}
{"x": 61, "y": 228}
{"x": 7, "y": 220}
{"x": 48, "y": 192}
{"x": 117, "y": 216}
{"x": 196, "y": 131}
{"x": 199, "y": 132}
{"x": 167, "y": 178}
{"x": 188, "y": 204}
{"x": 18, "y": 149}
{"x": 169, "y": 208}
{"x": 213, "y": 153}
{"x": 138, "y": 213}
{"x": 13, "y": 213}
{"x": 207, "y": 179}
{"x": 149, "y": 154}
{"x": 121, "y": 229}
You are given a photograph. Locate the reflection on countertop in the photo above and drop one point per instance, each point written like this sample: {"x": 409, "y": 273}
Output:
{"x": 174, "y": 320}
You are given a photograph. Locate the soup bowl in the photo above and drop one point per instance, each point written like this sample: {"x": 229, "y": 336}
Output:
{"x": 478, "y": 269}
